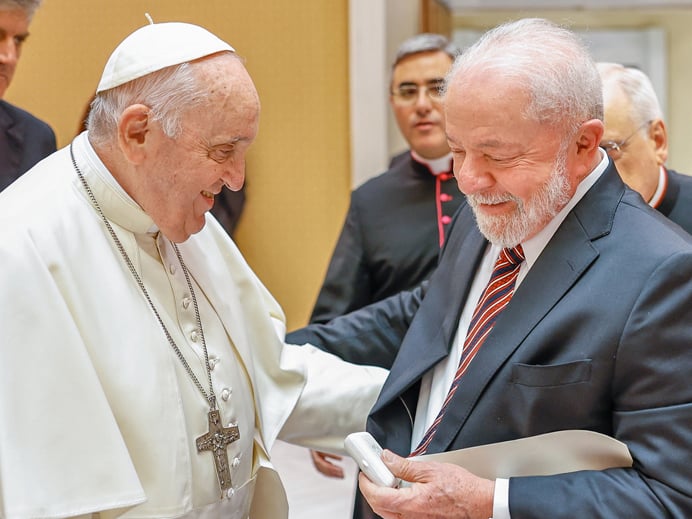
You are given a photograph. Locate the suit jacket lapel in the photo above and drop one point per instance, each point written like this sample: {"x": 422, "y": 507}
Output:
{"x": 568, "y": 254}
{"x": 429, "y": 337}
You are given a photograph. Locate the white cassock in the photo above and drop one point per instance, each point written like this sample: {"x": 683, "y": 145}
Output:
{"x": 97, "y": 414}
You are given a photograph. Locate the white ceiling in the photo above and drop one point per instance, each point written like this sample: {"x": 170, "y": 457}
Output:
{"x": 461, "y": 6}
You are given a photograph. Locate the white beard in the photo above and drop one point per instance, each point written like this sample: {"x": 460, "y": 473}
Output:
{"x": 509, "y": 230}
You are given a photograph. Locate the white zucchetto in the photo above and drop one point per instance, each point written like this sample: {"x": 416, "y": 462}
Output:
{"x": 157, "y": 46}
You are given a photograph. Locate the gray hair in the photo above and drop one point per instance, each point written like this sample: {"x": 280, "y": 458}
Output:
{"x": 550, "y": 61}
{"x": 169, "y": 93}
{"x": 28, "y": 6}
{"x": 636, "y": 86}
{"x": 425, "y": 42}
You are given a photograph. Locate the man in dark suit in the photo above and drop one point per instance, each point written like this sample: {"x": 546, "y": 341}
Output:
{"x": 597, "y": 329}
{"x": 636, "y": 139}
{"x": 24, "y": 139}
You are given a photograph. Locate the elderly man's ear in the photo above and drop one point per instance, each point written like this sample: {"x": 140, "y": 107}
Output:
{"x": 659, "y": 137}
{"x": 589, "y": 136}
{"x": 587, "y": 141}
{"x": 133, "y": 129}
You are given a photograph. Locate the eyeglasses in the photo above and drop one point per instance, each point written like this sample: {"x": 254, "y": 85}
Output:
{"x": 614, "y": 149}
{"x": 409, "y": 93}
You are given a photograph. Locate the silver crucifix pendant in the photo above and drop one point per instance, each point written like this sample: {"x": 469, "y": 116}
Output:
{"x": 216, "y": 441}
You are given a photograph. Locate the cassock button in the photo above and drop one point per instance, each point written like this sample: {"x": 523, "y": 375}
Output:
{"x": 230, "y": 492}
{"x": 186, "y": 302}
{"x": 444, "y": 197}
{"x": 226, "y": 394}
{"x": 236, "y": 462}
{"x": 172, "y": 269}
{"x": 213, "y": 361}
{"x": 194, "y": 335}
{"x": 446, "y": 219}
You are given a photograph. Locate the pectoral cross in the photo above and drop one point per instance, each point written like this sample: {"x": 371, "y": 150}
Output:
{"x": 216, "y": 441}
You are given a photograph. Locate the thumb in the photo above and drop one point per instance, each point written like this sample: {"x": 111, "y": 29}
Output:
{"x": 401, "y": 467}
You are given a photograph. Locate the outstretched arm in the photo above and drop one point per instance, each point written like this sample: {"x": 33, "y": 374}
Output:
{"x": 371, "y": 335}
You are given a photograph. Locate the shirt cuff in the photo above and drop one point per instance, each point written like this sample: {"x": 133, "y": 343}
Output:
{"x": 501, "y": 499}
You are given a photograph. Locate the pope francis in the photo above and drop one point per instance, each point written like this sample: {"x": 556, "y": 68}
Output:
{"x": 142, "y": 366}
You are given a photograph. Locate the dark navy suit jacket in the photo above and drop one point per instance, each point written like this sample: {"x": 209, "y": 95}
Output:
{"x": 677, "y": 201}
{"x": 24, "y": 140}
{"x": 598, "y": 336}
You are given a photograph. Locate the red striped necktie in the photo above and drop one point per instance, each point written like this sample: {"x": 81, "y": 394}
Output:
{"x": 495, "y": 297}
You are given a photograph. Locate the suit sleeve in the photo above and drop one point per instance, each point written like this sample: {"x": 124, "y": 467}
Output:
{"x": 346, "y": 286}
{"x": 371, "y": 335}
{"x": 48, "y": 142}
{"x": 652, "y": 415}
{"x": 38, "y": 144}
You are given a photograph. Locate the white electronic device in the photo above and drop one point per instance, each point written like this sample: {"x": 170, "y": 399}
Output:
{"x": 363, "y": 448}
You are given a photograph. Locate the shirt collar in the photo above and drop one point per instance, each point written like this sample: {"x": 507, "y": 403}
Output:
{"x": 660, "y": 192}
{"x": 534, "y": 246}
{"x": 116, "y": 204}
{"x": 436, "y": 166}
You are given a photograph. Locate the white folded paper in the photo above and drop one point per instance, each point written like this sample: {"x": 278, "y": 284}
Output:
{"x": 545, "y": 454}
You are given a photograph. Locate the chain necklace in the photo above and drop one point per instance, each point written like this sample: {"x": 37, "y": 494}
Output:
{"x": 218, "y": 437}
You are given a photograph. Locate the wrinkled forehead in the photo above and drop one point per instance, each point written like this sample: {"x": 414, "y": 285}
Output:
{"x": 228, "y": 108}
{"x": 487, "y": 85}
{"x": 227, "y": 79}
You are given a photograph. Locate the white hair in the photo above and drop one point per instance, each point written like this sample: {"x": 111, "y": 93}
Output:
{"x": 637, "y": 88}
{"x": 169, "y": 93}
{"x": 550, "y": 61}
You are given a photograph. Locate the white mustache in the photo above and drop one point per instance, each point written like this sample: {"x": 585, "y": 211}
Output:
{"x": 477, "y": 199}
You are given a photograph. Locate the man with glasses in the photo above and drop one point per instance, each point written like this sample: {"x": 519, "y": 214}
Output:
{"x": 396, "y": 221}
{"x": 635, "y": 138}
